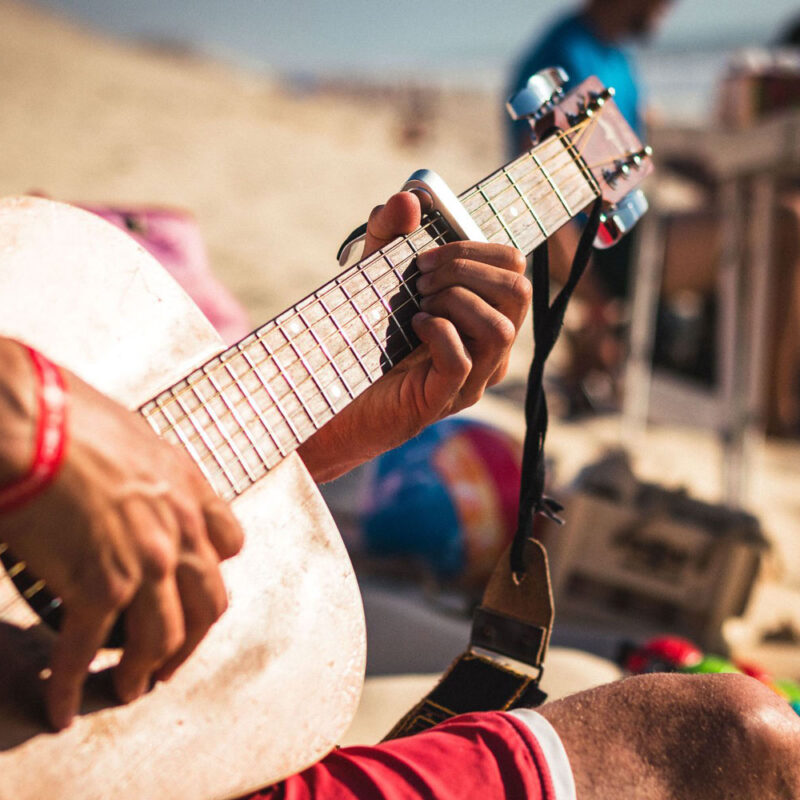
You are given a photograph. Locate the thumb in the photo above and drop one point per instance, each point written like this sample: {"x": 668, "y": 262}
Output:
{"x": 400, "y": 215}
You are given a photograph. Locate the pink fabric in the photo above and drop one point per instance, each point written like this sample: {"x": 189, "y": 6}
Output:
{"x": 173, "y": 237}
{"x": 484, "y": 756}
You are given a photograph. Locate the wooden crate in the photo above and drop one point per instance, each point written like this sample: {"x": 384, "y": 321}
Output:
{"x": 654, "y": 562}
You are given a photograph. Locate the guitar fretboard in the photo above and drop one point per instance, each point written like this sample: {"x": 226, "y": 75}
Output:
{"x": 243, "y": 411}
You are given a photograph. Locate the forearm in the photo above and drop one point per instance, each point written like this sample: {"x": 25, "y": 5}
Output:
{"x": 337, "y": 447}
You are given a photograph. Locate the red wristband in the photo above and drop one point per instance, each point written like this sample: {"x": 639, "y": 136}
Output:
{"x": 51, "y": 434}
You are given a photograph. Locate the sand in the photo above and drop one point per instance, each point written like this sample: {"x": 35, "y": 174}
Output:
{"x": 276, "y": 177}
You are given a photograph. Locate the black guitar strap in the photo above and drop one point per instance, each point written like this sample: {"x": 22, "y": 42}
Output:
{"x": 503, "y": 664}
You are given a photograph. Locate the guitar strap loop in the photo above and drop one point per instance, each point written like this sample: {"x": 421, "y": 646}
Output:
{"x": 547, "y": 322}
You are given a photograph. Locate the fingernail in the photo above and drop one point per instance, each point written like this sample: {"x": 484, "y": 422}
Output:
{"x": 426, "y": 261}
{"x": 424, "y": 303}
{"x": 420, "y": 316}
{"x": 424, "y": 283}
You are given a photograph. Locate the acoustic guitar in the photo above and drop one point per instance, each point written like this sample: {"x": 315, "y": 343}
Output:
{"x": 276, "y": 681}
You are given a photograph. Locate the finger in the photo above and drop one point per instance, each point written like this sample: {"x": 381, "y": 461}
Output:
{"x": 154, "y": 630}
{"x": 507, "y": 291}
{"x": 223, "y": 529}
{"x": 400, "y": 215}
{"x": 487, "y": 333}
{"x": 83, "y": 633}
{"x": 450, "y": 361}
{"x": 497, "y": 255}
{"x": 203, "y": 598}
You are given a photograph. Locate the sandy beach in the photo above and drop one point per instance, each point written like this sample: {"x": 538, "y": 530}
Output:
{"x": 276, "y": 176}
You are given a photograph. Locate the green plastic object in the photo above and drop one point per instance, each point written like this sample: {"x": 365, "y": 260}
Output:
{"x": 709, "y": 664}
{"x": 790, "y": 688}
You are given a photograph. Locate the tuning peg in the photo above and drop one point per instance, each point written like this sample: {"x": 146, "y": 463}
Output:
{"x": 538, "y": 94}
{"x": 619, "y": 219}
{"x": 622, "y": 166}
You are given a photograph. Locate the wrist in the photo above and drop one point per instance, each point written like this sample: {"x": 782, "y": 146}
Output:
{"x": 48, "y": 418}
{"x": 17, "y": 411}
{"x": 334, "y": 450}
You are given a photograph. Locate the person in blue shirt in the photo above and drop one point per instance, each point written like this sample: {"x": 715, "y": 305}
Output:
{"x": 591, "y": 40}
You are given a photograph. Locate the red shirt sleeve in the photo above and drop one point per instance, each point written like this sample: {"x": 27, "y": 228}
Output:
{"x": 485, "y": 756}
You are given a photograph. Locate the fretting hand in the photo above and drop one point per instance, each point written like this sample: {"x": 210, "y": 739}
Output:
{"x": 475, "y": 298}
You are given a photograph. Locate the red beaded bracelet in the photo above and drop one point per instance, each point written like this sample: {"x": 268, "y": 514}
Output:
{"x": 51, "y": 434}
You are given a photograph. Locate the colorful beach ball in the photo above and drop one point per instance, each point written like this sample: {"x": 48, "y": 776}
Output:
{"x": 446, "y": 499}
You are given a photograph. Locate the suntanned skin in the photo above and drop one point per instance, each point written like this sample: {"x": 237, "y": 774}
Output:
{"x": 130, "y": 525}
{"x": 679, "y": 737}
{"x": 475, "y": 298}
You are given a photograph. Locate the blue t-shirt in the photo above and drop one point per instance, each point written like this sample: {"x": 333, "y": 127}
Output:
{"x": 572, "y": 44}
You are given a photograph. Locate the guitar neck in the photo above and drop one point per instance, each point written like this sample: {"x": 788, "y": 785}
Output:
{"x": 244, "y": 410}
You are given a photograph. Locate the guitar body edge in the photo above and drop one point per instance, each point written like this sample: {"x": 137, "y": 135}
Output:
{"x": 277, "y": 680}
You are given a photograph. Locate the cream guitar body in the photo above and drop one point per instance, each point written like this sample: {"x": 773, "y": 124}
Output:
{"x": 277, "y": 680}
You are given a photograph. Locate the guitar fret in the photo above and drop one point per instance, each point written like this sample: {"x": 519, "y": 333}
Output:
{"x": 268, "y": 388}
{"x": 390, "y": 312}
{"x": 499, "y": 218}
{"x": 289, "y": 382}
{"x": 552, "y": 183}
{"x": 401, "y": 280}
{"x": 258, "y": 416}
{"x": 304, "y": 361}
{"x": 174, "y": 426}
{"x": 256, "y": 371}
{"x": 243, "y": 427}
{"x": 346, "y": 359}
{"x": 208, "y": 409}
{"x": 525, "y": 200}
{"x": 323, "y": 347}
{"x": 343, "y": 289}
{"x": 442, "y": 234}
{"x": 206, "y": 440}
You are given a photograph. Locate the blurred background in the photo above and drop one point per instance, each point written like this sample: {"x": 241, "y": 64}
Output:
{"x": 269, "y": 130}
{"x": 442, "y": 43}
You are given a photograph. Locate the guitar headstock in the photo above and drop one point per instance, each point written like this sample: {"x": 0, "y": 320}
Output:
{"x": 603, "y": 137}
{"x": 590, "y": 119}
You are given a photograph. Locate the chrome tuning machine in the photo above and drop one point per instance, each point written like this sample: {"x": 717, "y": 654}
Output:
{"x": 589, "y": 105}
{"x": 622, "y": 166}
{"x": 539, "y": 94}
{"x": 619, "y": 219}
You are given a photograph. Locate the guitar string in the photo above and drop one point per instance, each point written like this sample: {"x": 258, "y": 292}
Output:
{"x": 247, "y": 448}
{"x": 300, "y": 357}
{"x": 319, "y": 343}
{"x": 537, "y": 170}
{"x": 376, "y": 300}
{"x": 381, "y": 254}
{"x": 39, "y": 585}
{"x": 341, "y": 283}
